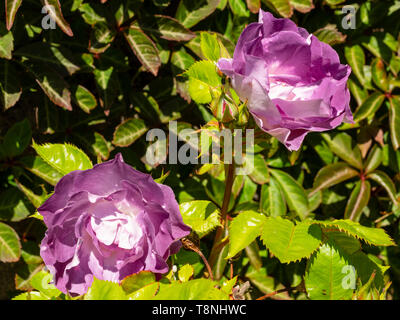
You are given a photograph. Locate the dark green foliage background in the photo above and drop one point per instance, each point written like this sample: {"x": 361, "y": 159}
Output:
{"x": 57, "y": 87}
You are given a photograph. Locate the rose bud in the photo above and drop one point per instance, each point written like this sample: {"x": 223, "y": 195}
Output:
{"x": 294, "y": 83}
{"x": 108, "y": 222}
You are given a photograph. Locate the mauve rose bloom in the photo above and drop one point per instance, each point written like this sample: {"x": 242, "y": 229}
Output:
{"x": 293, "y": 82}
{"x": 109, "y": 222}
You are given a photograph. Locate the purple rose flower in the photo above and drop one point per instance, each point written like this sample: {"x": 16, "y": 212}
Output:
{"x": 293, "y": 82}
{"x": 109, "y": 222}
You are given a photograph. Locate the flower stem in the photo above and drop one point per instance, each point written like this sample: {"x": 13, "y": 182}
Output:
{"x": 217, "y": 246}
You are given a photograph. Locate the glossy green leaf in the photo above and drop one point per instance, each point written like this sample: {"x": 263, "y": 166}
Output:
{"x": 330, "y": 35}
{"x": 63, "y": 157}
{"x": 289, "y": 242}
{"x": 85, "y": 99}
{"x": 169, "y": 28}
{"x": 128, "y": 132}
{"x": 379, "y": 75}
{"x": 356, "y": 58}
{"x": 199, "y": 289}
{"x": 202, "y": 216}
{"x": 324, "y": 276}
{"x": 345, "y": 148}
{"x": 185, "y": 273}
{"x": 369, "y": 106}
{"x": 39, "y": 167}
{"x": 243, "y": 230}
{"x": 384, "y": 180}
{"x": 295, "y": 195}
{"x": 374, "y": 159}
{"x": 41, "y": 281}
{"x": 105, "y": 290}
{"x": 137, "y": 281}
{"x": 239, "y": 8}
{"x": 358, "y": 200}
{"x": 144, "y": 49}
{"x": 373, "y": 236}
{"x": 101, "y": 37}
{"x": 189, "y": 13}
{"x": 272, "y": 200}
{"x": 10, "y": 246}
{"x": 333, "y": 174}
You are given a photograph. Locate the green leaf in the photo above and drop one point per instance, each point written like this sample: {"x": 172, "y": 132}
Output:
{"x": 12, "y": 7}
{"x": 10, "y": 88}
{"x": 185, "y": 273}
{"x": 358, "y": 200}
{"x": 272, "y": 200}
{"x": 295, "y": 195}
{"x": 331, "y": 175}
{"x": 137, "y": 281}
{"x": 145, "y": 293}
{"x": 10, "y": 246}
{"x": 356, "y": 58}
{"x": 105, "y": 290}
{"x": 358, "y": 92}
{"x": 373, "y": 236}
{"x": 39, "y": 167}
{"x": 384, "y": 180}
{"x": 283, "y": 7}
{"x": 101, "y": 37}
{"x": 210, "y": 46}
{"x": 254, "y": 5}
{"x": 32, "y": 295}
{"x": 53, "y": 85}
{"x": 344, "y": 147}
{"x": 374, "y": 159}
{"x": 128, "y": 132}
{"x": 56, "y": 14}
{"x": 324, "y": 275}
{"x": 144, "y": 49}
{"x": 204, "y": 71}
{"x": 202, "y": 216}
{"x": 289, "y": 242}
{"x": 330, "y": 35}
{"x": 243, "y": 230}
{"x": 189, "y": 12}
{"x": 13, "y": 205}
{"x": 35, "y": 199}
{"x": 303, "y": 6}
{"x": 47, "y": 52}
{"x": 379, "y": 75}
{"x": 17, "y": 139}
{"x": 85, "y": 99}
{"x": 238, "y": 8}
{"x": 394, "y": 121}
{"x": 168, "y": 28}
{"x": 259, "y": 173}
{"x": 41, "y": 281}
{"x": 63, "y": 157}
{"x": 369, "y": 107}
{"x": 6, "y": 43}
{"x": 199, "y": 289}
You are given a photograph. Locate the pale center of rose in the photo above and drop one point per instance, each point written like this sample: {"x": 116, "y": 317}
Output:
{"x": 120, "y": 228}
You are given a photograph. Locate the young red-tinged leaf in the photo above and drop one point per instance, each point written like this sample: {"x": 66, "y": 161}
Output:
{"x": 254, "y": 5}
{"x": 12, "y": 7}
{"x": 144, "y": 49}
{"x": 379, "y": 75}
{"x": 54, "y": 10}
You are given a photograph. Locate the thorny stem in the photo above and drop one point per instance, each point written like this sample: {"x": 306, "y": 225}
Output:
{"x": 217, "y": 246}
